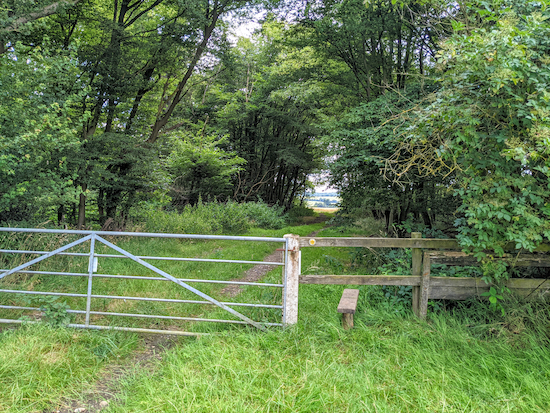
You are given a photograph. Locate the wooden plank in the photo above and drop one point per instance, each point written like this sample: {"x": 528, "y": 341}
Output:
{"x": 458, "y": 258}
{"x": 462, "y": 288}
{"x": 361, "y": 279}
{"x": 431, "y": 243}
{"x": 469, "y": 282}
{"x": 347, "y": 321}
{"x": 427, "y": 243}
{"x": 527, "y": 283}
{"x": 348, "y": 302}
{"x": 455, "y": 293}
{"x": 466, "y": 282}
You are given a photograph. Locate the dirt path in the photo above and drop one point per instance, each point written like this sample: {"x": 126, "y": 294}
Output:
{"x": 108, "y": 386}
{"x": 259, "y": 271}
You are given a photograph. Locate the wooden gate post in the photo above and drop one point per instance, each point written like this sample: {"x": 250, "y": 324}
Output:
{"x": 292, "y": 280}
{"x": 425, "y": 286}
{"x": 416, "y": 270}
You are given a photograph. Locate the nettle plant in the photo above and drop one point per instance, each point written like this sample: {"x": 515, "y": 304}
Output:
{"x": 489, "y": 124}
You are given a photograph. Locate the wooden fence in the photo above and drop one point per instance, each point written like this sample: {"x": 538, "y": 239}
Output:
{"x": 425, "y": 251}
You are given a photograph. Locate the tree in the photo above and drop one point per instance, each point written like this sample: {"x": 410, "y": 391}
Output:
{"x": 16, "y": 14}
{"x": 268, "y": 111}
{"x": 201, "y": 169}
{"x": 38, "y": 131}
{"x": 360, "y": 142}
{"x": 489, "y": 124}
{"x": 381, "y": 42}
{"x": 137, "y": 60}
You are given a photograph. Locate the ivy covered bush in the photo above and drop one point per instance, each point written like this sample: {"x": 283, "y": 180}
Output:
{"x": 489, "y": 126}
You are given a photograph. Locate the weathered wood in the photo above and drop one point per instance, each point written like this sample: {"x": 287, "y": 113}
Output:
{"x": 361, "y": 279}
{"x": 431, "y": 243}
{"x": 425, "y": 286}
{"x": 462, "y": 288}
{"x": 348, "y": 302}
{"x": 348, "y": 306}
{"x": 292, "y": 281}
{"x": 416, "y": 271}
{"x": 347, "y": 321}
{"x": 427, "y": 243}
{"x": 458, "y": 258}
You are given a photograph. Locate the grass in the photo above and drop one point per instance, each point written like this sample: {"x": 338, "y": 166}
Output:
{"x": 40, "y": 365}
{"x": 464, "y": 359}
{"x": 388, "y": 363}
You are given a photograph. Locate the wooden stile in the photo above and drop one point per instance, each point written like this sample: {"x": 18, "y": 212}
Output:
{"x": 348, "y": 306}
{"x": 425, "y": 286}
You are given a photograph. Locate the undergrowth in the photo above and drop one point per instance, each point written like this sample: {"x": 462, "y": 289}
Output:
{"x": 213, "y": 218}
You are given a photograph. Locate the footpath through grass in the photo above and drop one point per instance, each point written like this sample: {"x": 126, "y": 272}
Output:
{"x": 463, "y": 359}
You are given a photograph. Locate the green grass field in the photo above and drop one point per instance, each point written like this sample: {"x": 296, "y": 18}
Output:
{"x": 463, "y": 359}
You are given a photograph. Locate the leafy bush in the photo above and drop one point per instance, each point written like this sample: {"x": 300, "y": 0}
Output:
{"x": 489, "y": 124}
{"x": 299, "y": 211}
{"x": 263, "y": 216}
{"x": 213, "y": 218}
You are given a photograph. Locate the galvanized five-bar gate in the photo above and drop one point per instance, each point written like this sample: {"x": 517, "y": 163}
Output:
{"x": 289, "y": 287}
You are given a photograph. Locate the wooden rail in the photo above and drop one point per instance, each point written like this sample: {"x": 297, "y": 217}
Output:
{"x": 424, "y": 285}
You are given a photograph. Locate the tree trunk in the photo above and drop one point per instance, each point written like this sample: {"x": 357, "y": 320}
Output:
{"x": 162, "y": 120}
{"x": 82, "y": 208}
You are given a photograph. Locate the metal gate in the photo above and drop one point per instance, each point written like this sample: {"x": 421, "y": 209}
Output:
{"x": 97, "y": 239}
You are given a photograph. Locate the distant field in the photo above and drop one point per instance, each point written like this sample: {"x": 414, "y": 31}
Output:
{"x": 319, "y": 209}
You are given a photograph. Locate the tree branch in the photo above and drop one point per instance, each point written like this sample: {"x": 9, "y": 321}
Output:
{"x": 46, "y": 11}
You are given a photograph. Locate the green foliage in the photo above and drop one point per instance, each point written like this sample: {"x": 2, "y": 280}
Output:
{"x": 380, "y": 45}
{"x": 201, "y": 169}
{"x": 494, "y": 299}
{"x": 490, "y": 123}
{"x": 299, "y": 211}
{"x": 262, "y": 215}
{"x": 360, "y": 142}
{"x": 214, "y": 218}
{"x": 269, "y": 112}
{"x": 38, "y": 131}
{"x": 55, "y": 312}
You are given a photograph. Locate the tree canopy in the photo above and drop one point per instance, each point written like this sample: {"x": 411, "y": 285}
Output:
{"x": 420, "y": 112}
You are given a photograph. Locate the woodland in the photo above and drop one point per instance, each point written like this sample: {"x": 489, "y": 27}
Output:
{"x": 417, "y": 112}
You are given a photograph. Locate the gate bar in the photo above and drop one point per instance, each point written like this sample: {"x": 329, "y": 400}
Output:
{"x": 131, "y": 329}
{"x": 43, "y": 257}
{"x": 16, "y": 307}
{"x": 121, "y": 297}
{"x": 90, "y": 278}
{"x": 139, "y": 277}
{"x": 84, "y": 254}
{"x": 142, "y": 234}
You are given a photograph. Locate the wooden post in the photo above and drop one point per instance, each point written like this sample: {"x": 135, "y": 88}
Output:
{"x": 291, "y": 281}
{"x": 347, "y": 321}
{"x": 416, "y": 270}
{"x": 425, "y": 286}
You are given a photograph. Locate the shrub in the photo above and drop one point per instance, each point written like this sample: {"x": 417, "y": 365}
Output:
{"x": 263, "y": 216}
{"x": 213, "y": 218}
{"x": 299, "y": 211}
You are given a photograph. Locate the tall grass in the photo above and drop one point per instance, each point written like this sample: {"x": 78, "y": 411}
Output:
{"x": 388, "y": 363}
{"x": 214, "y": 218}
{"x": 39, "y": 365}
